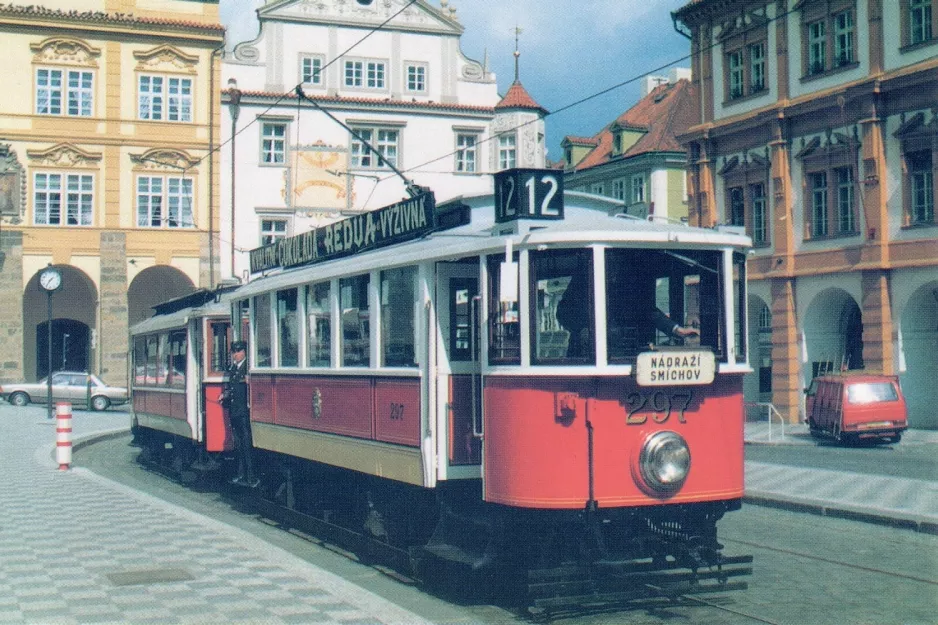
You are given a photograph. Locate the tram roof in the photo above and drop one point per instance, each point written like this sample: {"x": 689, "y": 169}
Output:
{"x": 179, "y": 318}
{"x": 588, "y": 219}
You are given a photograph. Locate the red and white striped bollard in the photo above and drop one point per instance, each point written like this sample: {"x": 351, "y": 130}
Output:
{"x": 63, "y": 435}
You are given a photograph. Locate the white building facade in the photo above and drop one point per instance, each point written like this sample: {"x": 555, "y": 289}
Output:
{"x": 390, "y": 75}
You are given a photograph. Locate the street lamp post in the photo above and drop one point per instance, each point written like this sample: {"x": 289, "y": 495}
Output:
{"x": 50, "y": 280}
{"x": 234, "y": 108}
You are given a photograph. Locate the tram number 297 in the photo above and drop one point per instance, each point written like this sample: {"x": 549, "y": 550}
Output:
{"x": 659, "y": 404}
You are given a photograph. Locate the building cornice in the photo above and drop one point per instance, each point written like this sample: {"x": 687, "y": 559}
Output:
{"x": 33, "y": 14}
{"x": 386, "y": 105}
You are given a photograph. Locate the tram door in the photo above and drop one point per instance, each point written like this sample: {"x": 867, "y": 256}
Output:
{"x": 458, "y": 365}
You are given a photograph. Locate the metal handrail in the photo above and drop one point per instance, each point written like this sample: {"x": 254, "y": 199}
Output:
{"x": 771, "y": 410}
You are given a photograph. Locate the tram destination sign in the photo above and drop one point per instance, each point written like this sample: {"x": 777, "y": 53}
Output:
{"x": 675, "y": 368}
{"x": 404, "y": 221}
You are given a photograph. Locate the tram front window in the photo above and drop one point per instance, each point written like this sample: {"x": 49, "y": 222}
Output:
{"x": 662, "y": 298}
{"x": 563, "y": 323}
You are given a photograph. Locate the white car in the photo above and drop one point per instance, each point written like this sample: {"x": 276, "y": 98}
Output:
{"x": 79, "y": 388}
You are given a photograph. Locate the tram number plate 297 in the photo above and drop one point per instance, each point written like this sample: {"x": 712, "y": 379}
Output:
{"x": 659, "y": 405}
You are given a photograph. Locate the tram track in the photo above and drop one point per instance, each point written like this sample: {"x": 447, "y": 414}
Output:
{"x": 816, "y": 558}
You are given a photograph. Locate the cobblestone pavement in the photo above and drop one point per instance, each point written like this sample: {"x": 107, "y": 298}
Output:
{"x": 78, "y": 548}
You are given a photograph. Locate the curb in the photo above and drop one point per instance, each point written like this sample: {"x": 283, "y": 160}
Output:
{"x": 863, "y": 515}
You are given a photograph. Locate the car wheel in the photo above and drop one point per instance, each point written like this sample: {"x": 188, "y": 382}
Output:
{"x": 100, "y": 402}
{"x": 19, "y": 399}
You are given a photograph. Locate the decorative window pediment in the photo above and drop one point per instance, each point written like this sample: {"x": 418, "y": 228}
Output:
{"x": 65, "y": 51}
{"x": 165, "y": 58}
{"x": 836, "y": 146}
{"x": 166, "y": 160}
{"x": 64, "y": 155}
{"x": 743, "y": 23}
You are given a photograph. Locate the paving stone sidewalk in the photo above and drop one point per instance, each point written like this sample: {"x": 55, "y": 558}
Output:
{"x": 78, "y": 548}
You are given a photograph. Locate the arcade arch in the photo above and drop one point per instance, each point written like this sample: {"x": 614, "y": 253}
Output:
{"x": 833, "y": 334}
{"x": 153, "y": 286}
{"x": 74, "y": 323}
{"x": 918, "y": 354}
{"x": 757, "y": 386}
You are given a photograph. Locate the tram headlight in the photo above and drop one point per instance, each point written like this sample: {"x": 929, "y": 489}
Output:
{"x": 665, "y": 461}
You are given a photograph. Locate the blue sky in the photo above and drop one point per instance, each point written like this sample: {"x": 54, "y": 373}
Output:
{"x": 569, "y": 50}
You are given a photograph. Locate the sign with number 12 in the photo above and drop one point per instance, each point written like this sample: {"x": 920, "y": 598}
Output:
{"x": 528, "y": 194}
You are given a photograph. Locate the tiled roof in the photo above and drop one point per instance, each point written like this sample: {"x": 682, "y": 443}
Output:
{"x": 668, "y": 111}
{"x": 103, "y": 17}
{"x": 580, "y": 140}
{"x": 519, "y": 98}
{"x": 411, "y": 104}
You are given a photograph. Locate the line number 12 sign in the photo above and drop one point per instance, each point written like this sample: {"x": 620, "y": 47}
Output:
{"x": 528, "y": 194}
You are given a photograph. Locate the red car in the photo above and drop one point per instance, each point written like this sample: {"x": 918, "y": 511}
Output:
{"x": 854, "y": 407}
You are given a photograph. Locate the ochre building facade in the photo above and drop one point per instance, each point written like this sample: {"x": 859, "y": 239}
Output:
{"x": 107, "y": 173}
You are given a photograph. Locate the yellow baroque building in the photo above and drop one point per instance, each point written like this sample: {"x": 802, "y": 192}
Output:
{"x": 107, "y": 173}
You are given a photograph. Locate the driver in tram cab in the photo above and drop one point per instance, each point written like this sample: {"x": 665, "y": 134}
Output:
{"x": 235, "y": 399}
{"x": 666, "y": 325}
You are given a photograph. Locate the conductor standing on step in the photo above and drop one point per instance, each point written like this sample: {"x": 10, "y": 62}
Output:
{"x": 235, "y": 399}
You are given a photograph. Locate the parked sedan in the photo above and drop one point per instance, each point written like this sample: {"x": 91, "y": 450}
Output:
{"x": 84, "y": 389}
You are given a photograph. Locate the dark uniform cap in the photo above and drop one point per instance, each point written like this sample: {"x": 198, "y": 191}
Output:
{"x": 239, "y": 346}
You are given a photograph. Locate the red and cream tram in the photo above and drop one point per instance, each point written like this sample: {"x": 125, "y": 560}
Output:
{"x": 498, "y": 379}
{"x": 179, "y": 360}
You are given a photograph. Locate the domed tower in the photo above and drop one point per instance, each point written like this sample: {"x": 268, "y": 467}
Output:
{"x": 518, "y": 126}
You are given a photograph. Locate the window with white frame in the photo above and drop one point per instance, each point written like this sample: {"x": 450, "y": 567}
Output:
{"x": 164, "y": 202}
{"x": 385, "y": 140}
{"x": 746, "y": 182}
{"x": 365, "y": 74}
{"x": 760, "y": 234}
{"x": 744, "y": 53}
{"x": 846, "y": 200}
{"x": 829, "y": 36}
{"x": 638, "y": 189}
{"x": 818, "y": 188}
{"x": 54, "y": 192}
{"x": 164, "y": 98}
{"x": 416, "y": 78}
{"x": 311, "y": 70}
{"x": 466, "y": 152}
{"x": 273, "y": 143}
{"x": 272, "y": 230}
{"x": 618, "y": 189}
{"x": 920, "y": 19}
{"x": 598, "y": 188}
{"x": 73, "y": 87}
{"x": 507, "y": 151}
{"x": 921, "y": 186}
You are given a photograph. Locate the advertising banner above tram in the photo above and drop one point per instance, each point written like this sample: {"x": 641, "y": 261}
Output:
{"x": 410, "y": 219}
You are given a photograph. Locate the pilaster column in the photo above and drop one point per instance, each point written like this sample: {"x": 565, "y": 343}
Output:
{"x": 873, "y": 178}
{"x": 112, "y": 309}
{"x": 786, "y": 354}
{"x": 783, "y": 236}
{"x": 11, "y": 306}
{"x": 878, "y": 352}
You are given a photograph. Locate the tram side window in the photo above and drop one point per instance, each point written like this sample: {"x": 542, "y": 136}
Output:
{"x": 739, "y": 304}
{"x": 151, "y": 360}
{"x": 504, "y": 320}
{"x": 288, "y": 329}
{"x": 398, "y": 316}
{"x": 140, "y": 361}
{"x": 563, "y": 306}
{"x": 219, "y": 358}
{"x": 177, "y": 351}
{"x": 262, "y": 330}
{"x": 320, "y": 324}
{"x": 650, "y": 291}
{"x": 165, "y": 366}
{"x": 356, "y": 334}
